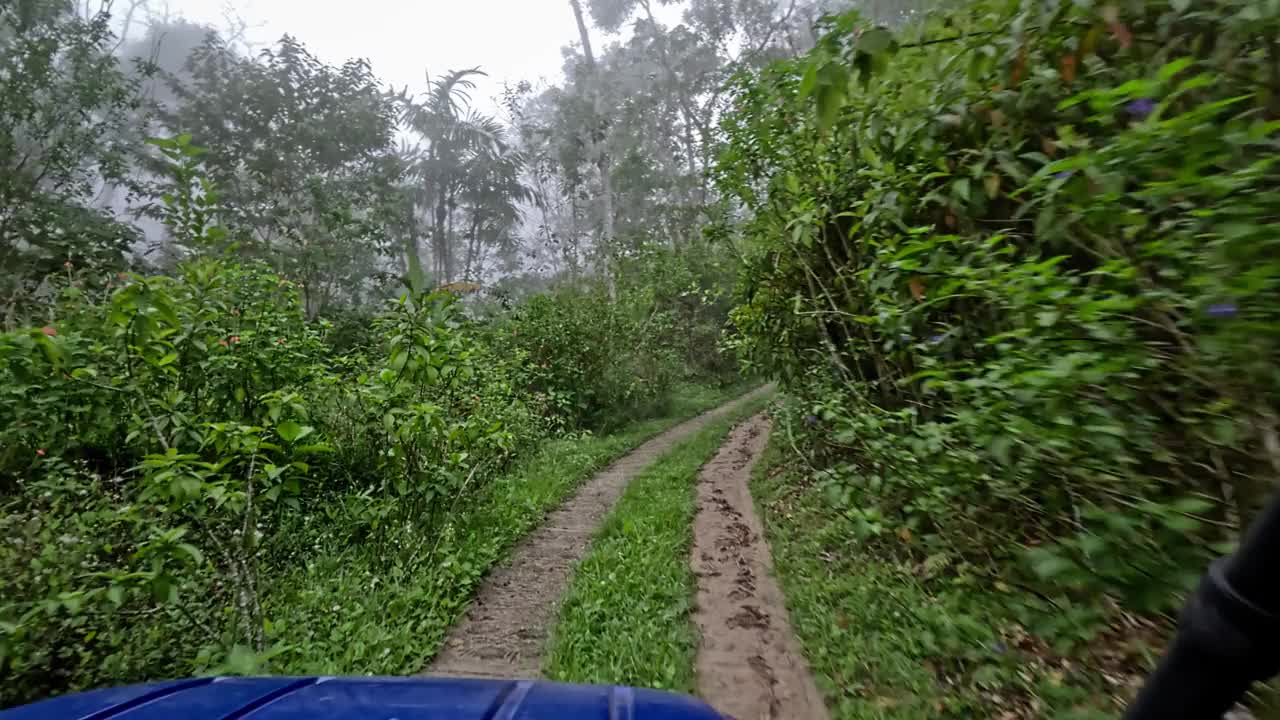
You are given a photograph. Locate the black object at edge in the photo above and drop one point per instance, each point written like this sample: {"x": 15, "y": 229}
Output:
{"x": 1228, "y": 635}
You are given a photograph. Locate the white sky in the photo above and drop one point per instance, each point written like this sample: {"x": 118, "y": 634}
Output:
{"x": 511, "y": 40}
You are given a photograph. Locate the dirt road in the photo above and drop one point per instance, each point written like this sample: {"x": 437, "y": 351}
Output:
{"x": 504, "y": 633}
{"x": 749, "y": 665}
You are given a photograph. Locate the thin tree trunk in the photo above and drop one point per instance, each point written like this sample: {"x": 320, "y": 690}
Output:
{"x": 472, "y": 244}
{"x": 413, "y": 261}
{"x": 438, "y": 238}
{"x": 448, "y": 241}
{"x": 686, "y": 110}
{"x": 543, "y": 199}
{"x": 683, "y": 103}
{"x": 573, "y": 233}
{"x": 603, "y": 162}
{"x": 606, "y": 203}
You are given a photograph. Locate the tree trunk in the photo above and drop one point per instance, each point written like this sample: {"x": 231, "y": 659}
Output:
{"x": 682, "y": 102}
{"x": 603, "y": 162}
{"x": 473, "y": 244}
{"x": 606, "y": 207}
{"x": 448, "y": 240}
{"x": 438, "y": 239}
{"x": 412, "y": 258}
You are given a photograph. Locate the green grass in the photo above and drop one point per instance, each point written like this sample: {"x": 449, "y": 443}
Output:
{"x": 882, "y": 641}
{"x": 626, "y": 617}
{"x": 346, "y": 612}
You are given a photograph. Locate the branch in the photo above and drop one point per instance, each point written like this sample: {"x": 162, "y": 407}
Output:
{"x": 937, "y": 41}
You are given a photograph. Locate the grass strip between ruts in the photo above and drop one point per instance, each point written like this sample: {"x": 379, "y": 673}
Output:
{"x": 626, "y": 618}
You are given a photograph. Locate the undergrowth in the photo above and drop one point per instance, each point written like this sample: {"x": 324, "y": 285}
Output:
{"x": 626, "y": 617}
{"x": 1015, "y": 263}
{"x": 885, "y": 641}
{"x": 344, "y": 612}
{"x": 194, "y": 480}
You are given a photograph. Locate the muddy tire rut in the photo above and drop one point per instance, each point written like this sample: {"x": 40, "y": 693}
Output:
{"x": 749, "y": 663}
{"x": 504, "y": 632}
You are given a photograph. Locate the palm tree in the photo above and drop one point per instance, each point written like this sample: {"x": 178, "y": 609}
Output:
{"x": 493, "y": 196}
{"x": 450, "y": 135}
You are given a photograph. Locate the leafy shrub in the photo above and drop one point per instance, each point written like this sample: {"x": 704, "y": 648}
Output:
{"x": 586, "y": 360}
{"x": 82, "y": 572}
{"x": 165, "y": 412}
{"x": 686, "y": 291}
{"x": 168, "y": 440}
{"x": 1019, "y": 268}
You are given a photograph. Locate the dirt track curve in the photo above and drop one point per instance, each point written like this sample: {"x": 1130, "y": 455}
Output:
{"x": 749, "y": 665}
{"x": 504, "y": 633}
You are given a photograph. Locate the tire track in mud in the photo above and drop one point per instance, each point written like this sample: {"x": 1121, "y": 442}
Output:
{"x": 749, "y": 663}
{"x": 504, "y": 632}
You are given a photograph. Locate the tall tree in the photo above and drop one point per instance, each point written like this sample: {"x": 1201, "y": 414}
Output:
{"x": 591, "y": 84}
{"x": 301, "y": 153}
{"x": 66, "y": 116}
{"x": 468, "y": 175}
{"x": 492, "y": 196}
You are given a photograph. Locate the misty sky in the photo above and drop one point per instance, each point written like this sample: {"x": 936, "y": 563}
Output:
{"x": 510, "y": 39}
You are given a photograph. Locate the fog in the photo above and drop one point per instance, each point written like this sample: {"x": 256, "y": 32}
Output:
{"x": 511, "y": 40}
{"x": 487, "y": 142}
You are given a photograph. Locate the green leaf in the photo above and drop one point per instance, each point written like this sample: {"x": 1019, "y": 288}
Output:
{"x": 163, "y": 589}
{"x": 241, "y": 661}
{"x": 864, "y": 149}
{"x": 72, "y": 602}
{"x": 809, "y": 80}
{"x": 875, "y": 41}
{"x": 1173, "y": 68}
{"x": 1048, "y": 564}
{"x": 1001, "y": 445}
{"x": 289, "y": 430}
{"x": 830, "y": 100}
{"x": 193, "y": 552}
{"x": 49, "y": 349}
{"x": 1192, "y": 505}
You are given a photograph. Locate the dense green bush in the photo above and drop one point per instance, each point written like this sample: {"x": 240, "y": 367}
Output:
{"x": 1020, "y": 266}
{"x": 157, "y": 441}
{"x": 688, "y": 292}
{"x": 164, "y": 434}
{"x": 589, "y": 362}
{"x": 168, "y": 442}
{"x": 157, "y": 433}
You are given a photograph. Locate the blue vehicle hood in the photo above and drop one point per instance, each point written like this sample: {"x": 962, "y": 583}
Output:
{"x": 342, "y": 698}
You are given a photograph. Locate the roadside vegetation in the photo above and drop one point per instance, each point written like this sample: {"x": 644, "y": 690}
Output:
{"x": 341, "y": 612}
{"x": 1016, "y": 266}
{"x": 275, "y": 392}
{"x": 289, "y": 358}
{"x": 199, "y": 483}
{"x": 881, "y": 640}
{"x": 627, "y": 616}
